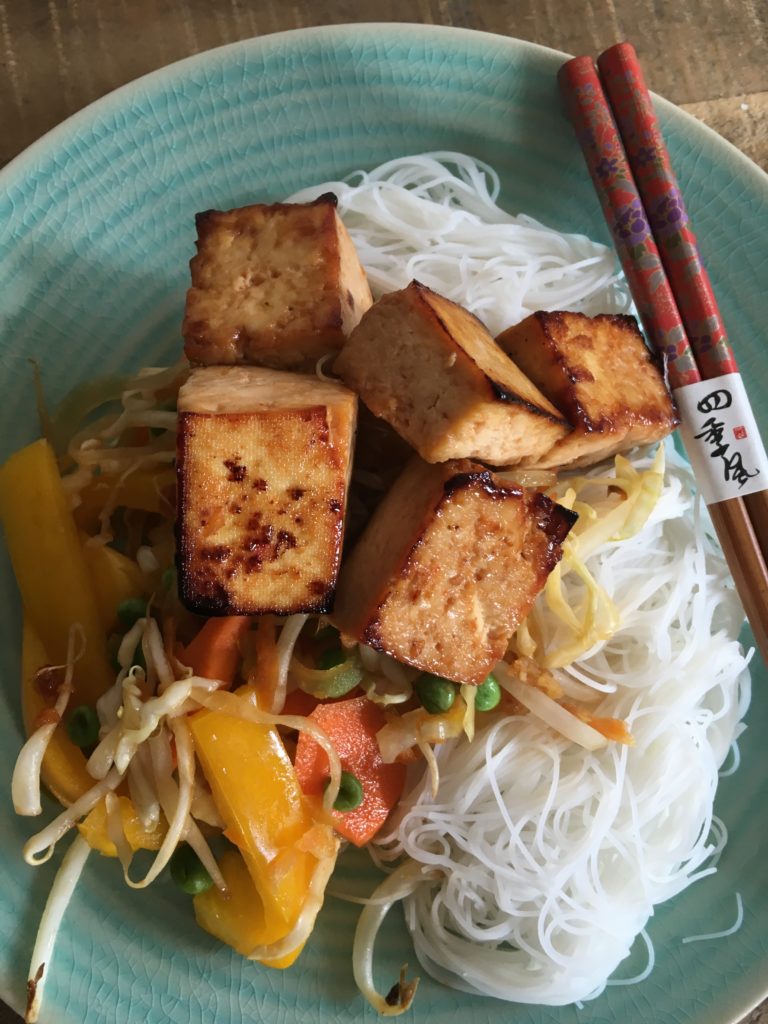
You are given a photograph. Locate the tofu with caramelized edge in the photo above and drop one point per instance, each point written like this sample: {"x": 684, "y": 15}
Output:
{"x": 432, "y": 370}
{"x": 448, "y": 567}
{"x": 600, "y": 373}
{"x": 263, "y": 468}
{"x": 275, "y": 285}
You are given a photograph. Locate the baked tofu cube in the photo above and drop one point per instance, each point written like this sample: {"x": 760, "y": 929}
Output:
{"x": 263, "y": 470}
{"x": 448, "y": 567}
{"x": 600, "y": 373}
{"x": 432, "y": 370}
{"x": 275, "y": 285}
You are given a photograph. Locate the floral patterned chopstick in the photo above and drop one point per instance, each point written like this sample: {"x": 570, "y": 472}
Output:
{"x": 614, "y": 183}
{"x": 625, "y": 87}
{"x": 649, "y": 160}
{"x": 717, "y": 424}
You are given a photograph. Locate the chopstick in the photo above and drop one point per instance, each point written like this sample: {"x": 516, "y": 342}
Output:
{"x": 624, "y": 84}
{"x": 717, "y": 424}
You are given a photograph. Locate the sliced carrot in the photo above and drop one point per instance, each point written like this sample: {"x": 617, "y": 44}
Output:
{"x": 299, "y": 703}
{"x": 615, "y": 729}
{"x": 351, "y": 726}
{"x": 215, "y": 651}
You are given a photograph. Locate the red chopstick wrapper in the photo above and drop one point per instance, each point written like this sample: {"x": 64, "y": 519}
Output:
{"x": 638, "y": 125}
{"x": 614, "y": 183}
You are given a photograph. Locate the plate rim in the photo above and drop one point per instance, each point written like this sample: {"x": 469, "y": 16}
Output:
{"x": 49, "y": 139}
{"x": 37, "y": 151}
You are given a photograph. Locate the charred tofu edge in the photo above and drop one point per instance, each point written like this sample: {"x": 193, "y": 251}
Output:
{"x": 495, "y": 390}
{"x": 347, "y": 303}
{"x": 325, "y": 416}
{"x": 574, "y": 410}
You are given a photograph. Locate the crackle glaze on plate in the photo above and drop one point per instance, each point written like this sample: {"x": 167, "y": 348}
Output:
{"x": 96, "y": 228}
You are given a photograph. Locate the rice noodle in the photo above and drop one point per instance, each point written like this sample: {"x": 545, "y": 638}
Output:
{"x": 706, "y": 936}
{"x": 435, "y": 217}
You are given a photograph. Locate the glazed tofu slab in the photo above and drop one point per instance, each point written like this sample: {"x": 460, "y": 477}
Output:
{"x": 599, "y": 372}
{"x": 433, "y": 371}
{"x": 448, "y": 567}
{"x": 263, "y": 467}
{"x": 273, "y": 285}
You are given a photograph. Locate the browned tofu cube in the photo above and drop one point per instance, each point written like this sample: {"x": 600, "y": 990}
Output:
{"x": 432, "y": 370}
{"x": 600, "y": 373}
{"x": 263, "y": 471}
{"x": 274, "y": 285}
{"x": 448, "y": 567}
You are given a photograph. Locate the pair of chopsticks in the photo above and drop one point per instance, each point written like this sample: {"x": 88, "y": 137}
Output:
{"x": 616, "y": 125}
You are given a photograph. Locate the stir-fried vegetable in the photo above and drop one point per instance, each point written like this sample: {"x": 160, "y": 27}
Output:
{"x": 435, "y": 693}
{"x": 188, "y": 872}
{"x": 117, "y": 582}
{"x": 330, "y": 682}
{"x": 611, "y": 509}
{"x": 63, "y": 767}
{"x": 277, "y": 831}
{"x": 40, "y": 532}
{"x": 94, "y": 829}
{"x": 488, "y": 694}
{"x": 215, "y": 651}
{"x": 351, "y": 726}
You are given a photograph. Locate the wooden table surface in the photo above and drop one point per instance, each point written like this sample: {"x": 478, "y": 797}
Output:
{"x": 56, "y": 56}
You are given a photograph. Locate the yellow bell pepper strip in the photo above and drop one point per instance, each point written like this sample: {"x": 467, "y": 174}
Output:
{"x": 94, "y": 829}
{"x": 63, "y": 770}
{"x": 257, "y": 794}
{"x": 115, "y": 578}
{"x": 49, "y": 566}
{"x": 239, "y": 919}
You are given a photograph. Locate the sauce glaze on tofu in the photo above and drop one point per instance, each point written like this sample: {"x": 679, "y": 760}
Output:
{"x": 600, "y": 373}
{"x": 433, "y": 371}
{"x": 263, "y": 472}
{"x": 278, "y": 285}
{"x": 448, "y": 567}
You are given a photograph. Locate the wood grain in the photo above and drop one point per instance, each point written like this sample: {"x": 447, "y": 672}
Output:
{"x": 58, "y": 55}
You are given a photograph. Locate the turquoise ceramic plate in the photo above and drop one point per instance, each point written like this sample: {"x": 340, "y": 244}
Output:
{"x": 97, "y": 229}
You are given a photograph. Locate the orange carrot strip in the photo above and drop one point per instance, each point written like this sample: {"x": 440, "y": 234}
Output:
{"x": 215, "y": 651}
{"x": 351, "y": 726}
{"x": 615, "y": 729}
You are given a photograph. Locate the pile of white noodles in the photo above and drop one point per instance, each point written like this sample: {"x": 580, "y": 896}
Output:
{"x": 554, "y": 857}
{"x": 434, "y": 217}
{"x": 551, "y": 858}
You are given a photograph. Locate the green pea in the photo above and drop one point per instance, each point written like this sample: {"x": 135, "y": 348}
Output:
{"x": 83, "y": 726}
{"x": 188, "y": 872}
{"x": 350, "y": 793}
{"x": 435, "y": 693}
{"x": 168, "y": 579}
{"x": 331, "y": 658}
{"x": 131, "y": 610}
{"x": 488, "y": 694}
